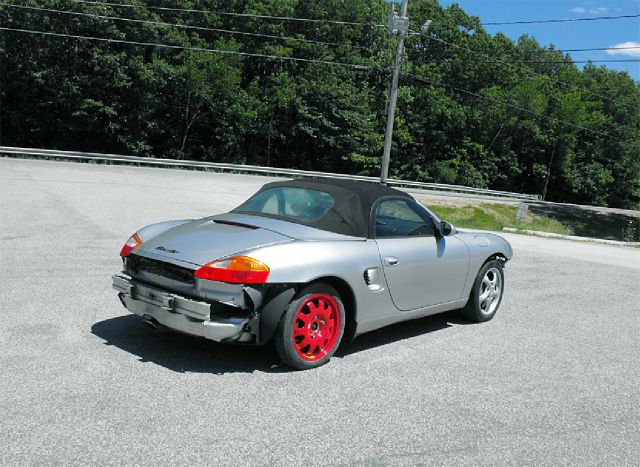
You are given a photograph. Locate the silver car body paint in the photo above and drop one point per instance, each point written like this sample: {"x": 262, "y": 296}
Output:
{"x": 204, "y": 240}
{"x": 424, "y": 271}
{"x": 290, "y": 229}
{"x": 150, "y": 231}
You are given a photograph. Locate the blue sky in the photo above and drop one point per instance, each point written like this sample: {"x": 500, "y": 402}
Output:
{"x": 580, "y": 35}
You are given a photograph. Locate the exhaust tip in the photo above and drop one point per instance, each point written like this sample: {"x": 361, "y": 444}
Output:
{"x": 151, "y": 322}
{"x": 121, "y": 297}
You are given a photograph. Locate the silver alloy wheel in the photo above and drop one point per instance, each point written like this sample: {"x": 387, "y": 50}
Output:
{"x": 490, "y": 291}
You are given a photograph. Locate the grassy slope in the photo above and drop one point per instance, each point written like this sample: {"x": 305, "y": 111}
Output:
{"x": 496, "y": 217}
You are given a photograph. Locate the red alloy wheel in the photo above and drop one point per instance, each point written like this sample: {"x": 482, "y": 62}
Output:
{"x": 316, "y": 327}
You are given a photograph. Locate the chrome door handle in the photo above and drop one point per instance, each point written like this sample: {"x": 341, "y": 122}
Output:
{"x": 391, "y": 260}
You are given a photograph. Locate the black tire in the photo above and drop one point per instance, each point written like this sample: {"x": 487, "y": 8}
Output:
{"x": 476, "y": 308}
{"x": 310, "y": 332}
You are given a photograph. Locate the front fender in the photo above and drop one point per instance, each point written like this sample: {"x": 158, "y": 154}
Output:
{"x": 501, "y": 246}
{"x": 482, "y": 246}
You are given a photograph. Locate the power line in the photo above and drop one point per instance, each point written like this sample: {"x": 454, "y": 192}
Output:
{"x": 631, "y": 47}
{"x": 325, "y": 62}
{"x": 225, "y": 13}
{"x": 581, "y": 61}
{"x": 195, "y": 49}
{"x": 593, "y": 49}
{"x": 527, "y": 70}
{"x": 565, "y": 20}
{"x": 284, "y": 38}
{"x": 507, "y": 104}
{"x": 183, "y": 26}
{"x": 549, "y": 62}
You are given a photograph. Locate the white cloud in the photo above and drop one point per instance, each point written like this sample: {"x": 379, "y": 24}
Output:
{"x": 594, "y": 11}
{"x": 619, "y": 49}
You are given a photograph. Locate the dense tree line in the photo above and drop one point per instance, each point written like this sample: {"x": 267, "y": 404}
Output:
{"x": 468, "y": 109}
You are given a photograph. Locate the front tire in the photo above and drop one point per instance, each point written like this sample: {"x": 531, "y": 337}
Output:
{"x": 486, "y": 294}
{"x": 311, "y": 329}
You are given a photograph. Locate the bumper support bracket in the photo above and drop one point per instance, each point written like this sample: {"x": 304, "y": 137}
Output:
{"x": 178, "y": 313}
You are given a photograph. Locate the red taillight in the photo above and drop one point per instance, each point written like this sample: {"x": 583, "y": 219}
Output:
{"x": 133, "y": 243}
{"x": 238, "y": 270}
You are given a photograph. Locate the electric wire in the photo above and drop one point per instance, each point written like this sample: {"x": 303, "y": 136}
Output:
{"x": 615, "y": 60}
{"x": 182, "y": 26}
{"x": 594, "y": 49}
{"x": 548, "y": 62}
{"x": 326, "y": 62}
{"x": 564, "y": 20}
{"x": 507, "y": 104}
{"x": 525, "y": 69}
{"x": 276, "y": 37}
{"x": 189, "y": 48}
{"x": 225, "y": 13}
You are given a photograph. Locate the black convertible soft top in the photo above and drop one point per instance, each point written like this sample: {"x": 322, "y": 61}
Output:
{"x": 351, "y": 210}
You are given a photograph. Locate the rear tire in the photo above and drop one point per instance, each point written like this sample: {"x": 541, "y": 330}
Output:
{"x": 486, "y": 294}
{"x": 311, "y": 329}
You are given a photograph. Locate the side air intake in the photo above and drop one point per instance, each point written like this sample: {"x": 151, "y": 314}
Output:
{"x": 373, "y": 279}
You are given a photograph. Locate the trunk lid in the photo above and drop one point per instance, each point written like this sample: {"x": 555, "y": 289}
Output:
{"x": 201, "y": 241}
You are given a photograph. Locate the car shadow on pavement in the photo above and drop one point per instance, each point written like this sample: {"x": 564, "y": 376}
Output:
{"x": 188, "y": 354}
{"x": 182, "y": 353}
{"x": 402, "y": 331}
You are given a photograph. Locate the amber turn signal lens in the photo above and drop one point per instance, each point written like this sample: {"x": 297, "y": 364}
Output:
{"x": 237, "y": 270}
{"x": 133, "y": 243}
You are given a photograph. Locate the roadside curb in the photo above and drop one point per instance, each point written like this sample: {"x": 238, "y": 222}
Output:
{"x": 571, "y": 237}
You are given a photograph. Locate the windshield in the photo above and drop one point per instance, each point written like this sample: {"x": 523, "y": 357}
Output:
{"x": 295, "y": 203}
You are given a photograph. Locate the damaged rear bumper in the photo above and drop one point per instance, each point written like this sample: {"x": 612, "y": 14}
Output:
{"x": 179, "y": 313}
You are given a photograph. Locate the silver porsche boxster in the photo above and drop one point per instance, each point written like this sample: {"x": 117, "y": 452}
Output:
{"x": 309, "y": 264}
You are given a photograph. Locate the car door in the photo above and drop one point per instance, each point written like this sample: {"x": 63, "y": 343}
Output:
{"x": 421, "y": 267}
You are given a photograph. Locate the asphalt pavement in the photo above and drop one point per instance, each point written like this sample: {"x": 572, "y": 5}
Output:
{"x": 553, "y": 379}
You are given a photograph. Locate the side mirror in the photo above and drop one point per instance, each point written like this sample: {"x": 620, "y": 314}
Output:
{"x": 447, "y": 228}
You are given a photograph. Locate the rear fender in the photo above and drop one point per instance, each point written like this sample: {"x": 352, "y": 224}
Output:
{"x": 342, "y": 264}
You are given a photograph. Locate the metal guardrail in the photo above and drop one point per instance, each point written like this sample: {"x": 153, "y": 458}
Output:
{"x": 258, "y": 169}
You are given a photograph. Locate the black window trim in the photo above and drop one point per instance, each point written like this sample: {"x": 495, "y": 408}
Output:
{"x": 412, "y": 203}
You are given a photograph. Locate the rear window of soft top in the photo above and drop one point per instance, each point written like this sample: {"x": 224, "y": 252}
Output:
{"x": 296, "y": 203}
